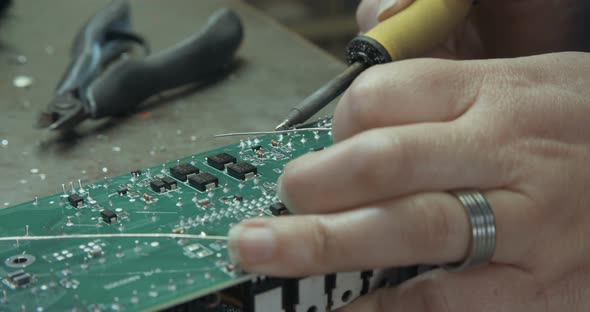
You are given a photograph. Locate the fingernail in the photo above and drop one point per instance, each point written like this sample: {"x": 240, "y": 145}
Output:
{"x": 251, "y": 244}
{"x": 384, "y": 6}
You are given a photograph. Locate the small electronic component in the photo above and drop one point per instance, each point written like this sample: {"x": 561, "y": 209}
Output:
{"x": 219, "y": 161}
{"x": 183, "y": 170}
{"x": 242, "y": 170}
{"x": 256, "y": 147}
{"x": 147, "y": 197}
{"x": 158, "y": 186}
{"x": 76, "y": 200}
{"x": 95, "y": 251}
{"x": 18, "y": 279}
{"x": 238, "y": 198}
{"x": 136, "y": 173}
{"x": 193, "y": 247}
{"x": 108, "y": 216}
{"x": 122, "y": 190}
{"x": 197, "y": 251}
{"x": 274, "y": 143}
{"x": 260, "y": 154}
{"x": 169, "y": 183}
{"x": 204, "y": 202}
{"x": 203, "y": 181}
{"x": 278, "y": 209}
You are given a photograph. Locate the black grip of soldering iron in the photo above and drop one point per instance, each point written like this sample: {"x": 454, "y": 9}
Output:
{"x": 129, "y": 83}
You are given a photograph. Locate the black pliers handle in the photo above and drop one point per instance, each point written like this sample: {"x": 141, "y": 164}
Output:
{"x": 92, "y": 89}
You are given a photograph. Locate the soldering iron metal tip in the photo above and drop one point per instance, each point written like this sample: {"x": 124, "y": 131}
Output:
{"x": 282, "y": 125}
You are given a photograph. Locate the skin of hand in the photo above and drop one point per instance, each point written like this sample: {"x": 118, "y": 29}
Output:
{"x": 408, "y": 132}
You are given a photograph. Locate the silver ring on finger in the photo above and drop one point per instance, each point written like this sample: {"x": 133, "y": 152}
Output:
{"x": 483, "y": 230}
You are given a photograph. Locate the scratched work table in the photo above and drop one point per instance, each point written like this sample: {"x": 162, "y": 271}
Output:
{"x": 275, "y": 70}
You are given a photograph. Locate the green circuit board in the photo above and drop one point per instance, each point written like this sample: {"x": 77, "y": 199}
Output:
{"x": 142, "y": 273}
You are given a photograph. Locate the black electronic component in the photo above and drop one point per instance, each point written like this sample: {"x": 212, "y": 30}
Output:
{"x": 278, "y": 209}
{"x": 22, "y": 280}
{"x": 136, "y": 172}
{"x": 123, "y": 190}
{"x": 19, "y": 278}
{"x": 169, "y": 183}
{"x": 108, "y": 216}
{"x": 204, "y": 202}
{"x": 242, "y": 170}
{"x": 183, "y": 170}
{"x": 158, "y": 186}
{"x": 76, "y": 200}
{"x": 239, "y": 198}
{"x": 219, "y": 161}
{"x": 256, "y": 147}
{"x": 203, "y": 181}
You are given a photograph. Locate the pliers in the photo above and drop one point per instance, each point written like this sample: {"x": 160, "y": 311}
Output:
{"x": 101, "y": 81}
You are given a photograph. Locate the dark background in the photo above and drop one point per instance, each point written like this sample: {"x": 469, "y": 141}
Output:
{"x": 329, "y": 24}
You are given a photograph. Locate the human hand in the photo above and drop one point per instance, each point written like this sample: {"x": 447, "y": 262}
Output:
{"x": 517, "y": 129}
{"x": 500, "y": 28}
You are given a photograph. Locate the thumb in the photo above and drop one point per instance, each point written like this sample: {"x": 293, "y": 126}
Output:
{"x": 371, "y": 12}
{"x": 388, "y": 8}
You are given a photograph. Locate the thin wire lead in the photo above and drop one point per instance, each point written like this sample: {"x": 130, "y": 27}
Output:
{"x": 118, "y": 235}
{"x": 271, "y": 132}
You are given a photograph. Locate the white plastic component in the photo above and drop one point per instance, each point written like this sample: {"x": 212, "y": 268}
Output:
{"x": 348, "y": 287}
{"x": 269, "y": 301}
{"x": 312, "y": 293}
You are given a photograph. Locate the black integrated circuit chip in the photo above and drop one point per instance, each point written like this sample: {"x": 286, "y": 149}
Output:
{"x": 169, "y": 183}
{"x": 76, "y": 200}
{"x": 256, "y": 147}
{"x": 278, "y": 209}
{"x": 183, "y": 170}
{"x": 122, "y": 190}
{"x": 158, "y": 186}
{"x": 242, "y": 170}
{"x": 108, "y": 216}
{"x": 136, "y": 172}
{"x": 19, "y": 278}
{"x": 219, "y": 161}
{"x": 203, "y": 181}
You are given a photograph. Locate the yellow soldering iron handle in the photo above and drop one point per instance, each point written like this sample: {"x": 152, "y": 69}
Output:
{"x": 410, "y": 33}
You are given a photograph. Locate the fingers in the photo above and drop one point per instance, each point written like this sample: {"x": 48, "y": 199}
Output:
{"x": 385, "y": 163}
{"x": 491, "y": 288}
{"x": 366, "y": 15}
{"x": 388, "y": 8}
{"x": 370, "y": 12}
{"x": 413, "y": 91}
{"x": 421, "y": 229}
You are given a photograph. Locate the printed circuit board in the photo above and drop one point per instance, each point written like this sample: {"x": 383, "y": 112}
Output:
{"x": 203, "y": 194}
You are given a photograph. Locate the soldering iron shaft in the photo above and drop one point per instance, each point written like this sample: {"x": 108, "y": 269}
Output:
{"x": 322, "y": 97}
